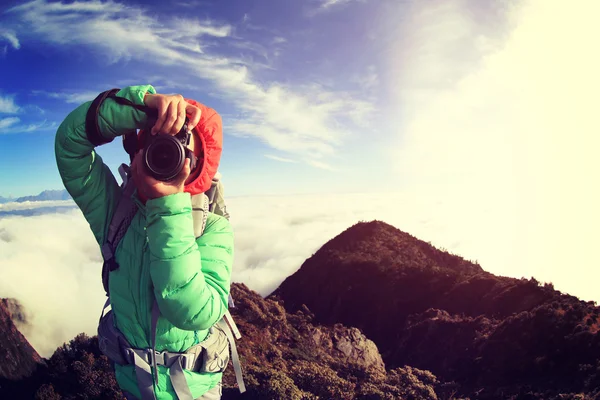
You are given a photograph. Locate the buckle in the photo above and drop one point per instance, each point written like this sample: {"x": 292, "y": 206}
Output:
{"x": 164, "y": 358}
{"x": 144, "y": 354}
{"x": 160, "y": 357}
{"x": 187, "y": 361}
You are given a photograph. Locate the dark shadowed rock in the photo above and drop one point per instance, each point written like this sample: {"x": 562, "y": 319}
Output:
{"x": 18, "y": 359}
{"x": 287, "y": 356}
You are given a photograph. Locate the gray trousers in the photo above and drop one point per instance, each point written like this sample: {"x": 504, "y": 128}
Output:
{"x": 213, "y": 394}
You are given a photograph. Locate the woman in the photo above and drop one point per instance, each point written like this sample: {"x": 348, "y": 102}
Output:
{"x": 160, "y": 260}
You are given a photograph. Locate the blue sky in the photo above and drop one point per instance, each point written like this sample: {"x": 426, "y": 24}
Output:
{"x": 297, "y": 82}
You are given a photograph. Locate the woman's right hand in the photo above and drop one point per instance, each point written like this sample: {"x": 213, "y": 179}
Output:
{"x": 172, "y": 110}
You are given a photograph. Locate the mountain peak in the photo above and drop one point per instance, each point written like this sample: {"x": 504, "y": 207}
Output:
{"x": 386, "y": 248}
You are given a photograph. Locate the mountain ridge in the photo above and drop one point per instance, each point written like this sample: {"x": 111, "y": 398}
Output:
{"x": 436, "y": 311}
{"x": 45, "y": 195}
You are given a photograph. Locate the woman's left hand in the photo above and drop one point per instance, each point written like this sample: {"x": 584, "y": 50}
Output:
{"x": 172, "y": 111}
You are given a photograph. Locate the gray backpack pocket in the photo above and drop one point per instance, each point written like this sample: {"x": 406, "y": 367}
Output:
{"x": 215, "y": 351}
{"x": 110, "y": 339}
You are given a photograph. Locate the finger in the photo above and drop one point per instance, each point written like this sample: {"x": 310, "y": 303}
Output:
{"x": 185, "y": 172}
{"x": 161, "y": 116}
{"x": 169, "y": 118}
{"x": 180, "y": 118}
{"x": 195, "y": 113}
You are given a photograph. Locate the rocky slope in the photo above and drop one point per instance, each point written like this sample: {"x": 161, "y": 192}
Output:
{"x": 18, "y": 359}
{"x": 284, "y": 356}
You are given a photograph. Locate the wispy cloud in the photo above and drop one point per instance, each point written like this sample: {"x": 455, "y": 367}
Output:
{"x": 192, "y": 3}
{"x": 288, "y": 118}
{"x": 7, "y": 105}
{"x": 16, "y": 124}
{"x": 321, "y": 165}
{"x": 327, "y": 5}
{"x": 7, "y": 122}
{"x": 331, "y": 3}
{"x": 73, "y": 98}
{"x": 11, "y": 37}
{"x": 13, "y": 125}
{"x": 277, "y": 158}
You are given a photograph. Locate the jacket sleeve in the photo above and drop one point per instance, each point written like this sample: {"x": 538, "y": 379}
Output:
{"x": 87, "y": 179}
{"x": 191, "y": 277}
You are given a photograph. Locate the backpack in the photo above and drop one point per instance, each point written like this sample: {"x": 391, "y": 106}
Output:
{"x": 210, "y": 355}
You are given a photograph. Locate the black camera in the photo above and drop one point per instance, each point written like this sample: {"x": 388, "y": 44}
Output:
{"x": 165, "y": 154}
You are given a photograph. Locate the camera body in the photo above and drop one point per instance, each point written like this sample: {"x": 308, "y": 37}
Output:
{"x": 164, "y": 154}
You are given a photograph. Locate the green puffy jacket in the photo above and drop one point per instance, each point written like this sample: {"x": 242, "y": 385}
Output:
{"x": 159, "y": 256}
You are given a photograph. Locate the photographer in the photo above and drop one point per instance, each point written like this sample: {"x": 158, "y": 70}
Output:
{"x": 160, "y": 260}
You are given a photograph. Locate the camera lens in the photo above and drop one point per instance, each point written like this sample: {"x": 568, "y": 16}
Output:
{"x": 164, "y": 158}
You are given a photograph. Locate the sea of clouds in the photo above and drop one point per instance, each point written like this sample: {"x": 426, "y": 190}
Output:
{"x": 52, "y": 265}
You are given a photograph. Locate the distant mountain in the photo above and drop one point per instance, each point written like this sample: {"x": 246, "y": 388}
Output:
{"x": 495, "y": 336}
{"x": 46, "y": 195}
{"x": 30, "y": 212}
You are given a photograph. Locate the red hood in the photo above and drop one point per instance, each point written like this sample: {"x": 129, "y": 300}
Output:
{"x": 210, "y": 132}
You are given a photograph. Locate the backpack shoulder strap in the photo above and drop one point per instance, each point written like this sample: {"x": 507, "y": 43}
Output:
{"x": 202, "y": 204}
{"x": 122, "y": 217}
{"x": 225, "y": 325}
{"x": 200, "y": 209}
{"x": 216, "y": 195}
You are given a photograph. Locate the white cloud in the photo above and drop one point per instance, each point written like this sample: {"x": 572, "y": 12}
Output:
{"x": 311, "y": 122}
{"x": 320, "y": 165}
{"x": 10, "y": 37}
{"x": 65, "y": 260}
{"x": 326, "y": 4}
{"x": 51, "y": 264}
{"x": 7, "y": 105}
{"x": 15, "y": 124}
{"x": 73, "y": 98}
{"x": 277, "y": 158}
{"x": 12, "y": 125}
{"x": 192, "y": 3}
{"x": 27, "y": 205}
{"x": 8, "y": 122}
{"x": 510, "y": 126}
